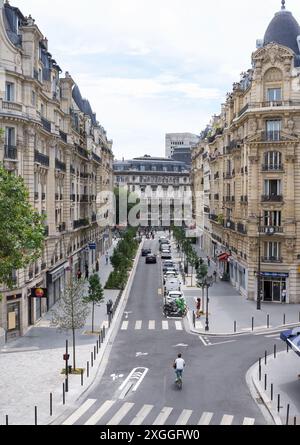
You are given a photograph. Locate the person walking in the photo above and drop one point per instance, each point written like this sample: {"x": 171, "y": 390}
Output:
{"x": 215, "y": 275}
{"x": 283, "y": 296}
{"x": 198, "y": 308}
{"x": 86, "y": 271}
{"x": 97, "y": 266}
{"x": 106, "y": 258}
{"x": 79, "y": 274}
{"x": 208, "y": 261}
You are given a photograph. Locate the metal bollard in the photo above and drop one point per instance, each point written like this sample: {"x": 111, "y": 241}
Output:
{"x": 194, "y": 319}
{"x": 284, "y": 319}
{"x": 295, "y": 421}
{"x": 64, "y": 395}
{"x": 235, "y": 324}
{"x": 266, "y": 382}
{"x": 51, "y": 404}
{"x": 35, "y": 415}
{"x": 259, "y": 369}
{"x": 272, "y": 392}
{"x": 252, "y": 324}
{"x": 94, "y": 352}
{"x": 266, "y": 357}
{"x": 87, "y": 369}
{"x": 268, "y": 321}
{"x": 275, "y": 351}
{"x": 92, "y": 360}
{"x": 287, "y": 414}
{"x": 82, "y": 377}
{"x": 103, "y": 332}
{"x": 97, "y": 347}
{"x": 6, "y": 420}
{"x": 278, "y": 404}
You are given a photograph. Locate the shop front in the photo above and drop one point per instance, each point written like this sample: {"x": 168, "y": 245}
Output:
{"x": 56, "y": 282}
{"x": 273, "y": 285}
{"x": 13, "y": 319}
{"x": 238, "y": 276}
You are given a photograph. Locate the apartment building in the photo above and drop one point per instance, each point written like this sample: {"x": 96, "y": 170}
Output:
{"x": 54, "y": 141}
{"x": 246, "y": 172}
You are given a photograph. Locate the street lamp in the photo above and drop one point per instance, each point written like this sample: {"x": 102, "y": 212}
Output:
{"x": 259, "y": 289}
{"x": 207, "y": 283}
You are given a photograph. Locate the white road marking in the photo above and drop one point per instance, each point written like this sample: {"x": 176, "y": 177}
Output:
{"x": 119, "y": 416}
{"x": 199, "y": 325}
{"x": 227, "y": 420}
{"x": 138, "y": 325}
{"x": 222, "y": 343}
{"x": 163, "y": 416}
{"x": 100, "y": 413}
{"x": 178, "y": 326}
{"x": 248, "y": 421}
{"x": 142, "y": 414}
{"x": 205, "y": 419}
{"x": 151, "y": 325}
{"x": 165, "y": 325}
{"x": 271, "y": 336}
{"x": 184, "y": 417}
{"x": 124, "y": 326}
{"x": 79, "y": 412}
{"x": 203, "y": 341}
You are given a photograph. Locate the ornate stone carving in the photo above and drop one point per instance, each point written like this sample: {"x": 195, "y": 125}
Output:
{"x": 253, "y": 245}
{"x": 273, "y": 75}
{"x": 253, "y": 125}
{"x": 291, "y": 125}
{"x": 290, "y": 245}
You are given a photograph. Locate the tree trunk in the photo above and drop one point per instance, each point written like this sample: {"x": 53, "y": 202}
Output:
{"x": 74, "y": 360}
{"x": 93, "y": 311}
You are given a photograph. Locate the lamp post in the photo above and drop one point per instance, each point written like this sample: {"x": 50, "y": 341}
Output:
{"x": 259, "y": 289}
{"x": 207, "y": 283}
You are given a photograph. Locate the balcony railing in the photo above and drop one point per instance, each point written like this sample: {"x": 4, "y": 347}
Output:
{"x": 271, "y": 168}
{"x": 272, "y": 259}
{"x": 230, "y": 225}
{"x": 271, "y": 136}
{"x": 59, "y": 165}
{"x": 217, "y": 197}
{"x": 242, "y": 229}
{"x": 96, "y": 158}
{"x": 271, "y": 230}
{"x": 9, "y": 105}
{"x": 84, "y": 175}
{"x": 84, "y": 198}
{"x": 46, "y": 124}
{"x": 80, "y": 223}
{"x": 10, "y": 152}
{"x": 272, "y": 198}
{"x": 42, "y": 159}
{"x": 82, "y": 151}
{"x": 62, "y": 227}
{"x": 244, "y": 199}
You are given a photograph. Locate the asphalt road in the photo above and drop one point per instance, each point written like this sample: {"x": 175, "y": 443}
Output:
{"x": 214, "y": 388}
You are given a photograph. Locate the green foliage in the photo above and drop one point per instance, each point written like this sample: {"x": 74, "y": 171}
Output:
{"x": 96, "y": 292}
{"x": 221, "y": 219}
{"x": 21, "y": 229}
{"x": 202, "y": 273}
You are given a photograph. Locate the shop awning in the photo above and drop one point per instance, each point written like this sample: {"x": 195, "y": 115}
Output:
{"x": 223, "y": 257}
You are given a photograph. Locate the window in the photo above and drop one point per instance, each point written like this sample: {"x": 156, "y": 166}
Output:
{"x": 274, "y": 94}
{"x": 273, "y": 160}
{"x": 272, "y": 187}
{"x": 10, "y": 137}
{"x": 272, "y": 218}
{"x": 273, "y": 129}
{"x": 9, "y": 92}
{"x": 272, "y": 250}
{"x": 33, "y": 98}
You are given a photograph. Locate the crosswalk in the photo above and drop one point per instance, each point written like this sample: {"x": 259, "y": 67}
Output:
{"x": 152, "y": 325}
{"x": 115, "y": 412}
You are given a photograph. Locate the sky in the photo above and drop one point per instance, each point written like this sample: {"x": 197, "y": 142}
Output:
{"x": 151, "y": 67}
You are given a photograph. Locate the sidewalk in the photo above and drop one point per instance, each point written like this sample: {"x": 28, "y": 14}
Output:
{"x": 282, "y": 372}
{"x": 227, "y": 306}
{"x": 30, "y": 366}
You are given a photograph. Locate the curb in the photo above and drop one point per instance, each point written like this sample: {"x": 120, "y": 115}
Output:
{"x": 110, "y": 332}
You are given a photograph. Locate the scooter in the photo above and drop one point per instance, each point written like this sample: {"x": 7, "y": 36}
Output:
{"x": 172, "y": 310}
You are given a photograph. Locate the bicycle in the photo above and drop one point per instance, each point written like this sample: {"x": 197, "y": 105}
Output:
{"x": 178, "y": 381}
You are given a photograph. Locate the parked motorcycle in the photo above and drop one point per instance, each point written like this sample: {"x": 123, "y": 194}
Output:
{"x": 172, "y": 310}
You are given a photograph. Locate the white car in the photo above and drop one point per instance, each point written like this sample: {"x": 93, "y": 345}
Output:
{"x": 166, "y": 255}
{"x": 174, "y": 295}
{"x": 172, "y": 285}
{"x": 171, "y": 273}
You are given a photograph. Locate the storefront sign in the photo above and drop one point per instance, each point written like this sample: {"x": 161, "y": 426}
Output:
{"x": 39, "y": 292}
{"x": 274, "y": 275}
{"x": 56, "y": 273}
{"x": 14, "y": 297}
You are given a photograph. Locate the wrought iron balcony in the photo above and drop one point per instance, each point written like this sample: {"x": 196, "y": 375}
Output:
{"x": 271, "y": 230}
{"x": 272, "y": 259}
{"x": 62, "y": 227}
{"x": 81, "y": 223}
{"x": 10, "y": 152}
{"x": 271, "y": 168}
{"x": 272, "y": 198}
{"x": 96, "y": 158}
{"x": 230, "y": 225}
{"x": 82, "y": 151}
{"x": 46, "y": 124}
{"x": 63, "y": 136}
{"x": 84, "y": 198}
{"x": 242, "y": 229}
{"x": 42, "y": 159}
{"x": 244, "y": 199}
{"x": 60, "y": 165}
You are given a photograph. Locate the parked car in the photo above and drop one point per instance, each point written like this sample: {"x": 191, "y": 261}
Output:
{"x": 174, "y": 295}
{"x": 170, "y": 274}
{"x": 166, "y": 255}
{"x": 146, "y": 252}
{"x": 151, "y": 259}
{"x": 163, "y": 240}
{"x": 168, "y": 265}
{"x": 173, "y": 284}
{"x": 165, "y": 247}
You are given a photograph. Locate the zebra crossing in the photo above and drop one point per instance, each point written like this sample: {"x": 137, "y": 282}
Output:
{"x": 152, "y": 325}
{"x": 114, "y": 412}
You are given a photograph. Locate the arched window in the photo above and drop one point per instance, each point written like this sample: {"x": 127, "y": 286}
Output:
{"x": 273, "y": 161}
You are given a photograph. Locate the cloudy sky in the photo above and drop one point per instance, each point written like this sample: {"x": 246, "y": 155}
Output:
{"x": 150, "y": 67}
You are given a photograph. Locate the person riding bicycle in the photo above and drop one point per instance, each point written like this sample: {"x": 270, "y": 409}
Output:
{"x": 179, "y": 366}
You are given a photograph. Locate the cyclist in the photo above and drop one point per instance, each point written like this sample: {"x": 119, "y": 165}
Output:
{"x": 179, "y": 366}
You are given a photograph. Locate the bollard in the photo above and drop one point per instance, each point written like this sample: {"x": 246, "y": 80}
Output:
{"x": 6, "y": 420}
{"x": 287, "y": 348}
{"x": 87, "y": 369}
{"x": 235, "y": 327}
{"x": 35, "y": 415}
{"x": 278, "y": 404}
{"x": 64, "y": 395}
{"x": 295, "y": 421}
{"x": 81, "y": 377}
{"x": 252, "y": 323}
{"x": 94, "y": 352}
{"x": 287, "y": 414}
{"x": 194, "y": 319}
{"x": 101, "y": 335}
{"x": 284, "y": 319}
{"x": 268, "y": 321}
{"x": 92, "y": 360}
{"x": 259, "y": 369}
{"x": 104, "y": 332}
{"x": 99, "y": 340}
{"x": 299, "y": 317}
{"x": 275, "y": 351}
{"x": 97, "y": 347}
{"x": 266, "y": 382}
{"x": 51, "y": 412}
{"x": 272, "y": 392}
{"x": 266, "y": 357}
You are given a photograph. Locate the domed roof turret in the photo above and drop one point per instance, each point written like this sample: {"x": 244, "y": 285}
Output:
{"x": 284, "y": 30}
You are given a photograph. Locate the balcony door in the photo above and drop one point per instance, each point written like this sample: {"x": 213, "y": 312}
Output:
{"x": 273, "y": 129}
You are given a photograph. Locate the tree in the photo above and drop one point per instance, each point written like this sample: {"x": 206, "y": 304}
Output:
{"x": 71, "y": 311}
{"x": 202, "y": 273}
{"x": 95, "y": 295}
{"x": 22, "y": 233}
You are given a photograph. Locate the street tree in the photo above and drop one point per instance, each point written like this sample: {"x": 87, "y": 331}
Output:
{"x": 202, "y": 273}
{"x": 72, "y": 311}
{"x": 95, "y": 295}
{"x": 22, "y": 232}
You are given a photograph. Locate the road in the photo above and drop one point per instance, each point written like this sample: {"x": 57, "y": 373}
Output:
{"x": 214, "y": 390}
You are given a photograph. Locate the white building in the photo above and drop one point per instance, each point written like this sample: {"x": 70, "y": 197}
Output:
{"x": 179, "y": 146}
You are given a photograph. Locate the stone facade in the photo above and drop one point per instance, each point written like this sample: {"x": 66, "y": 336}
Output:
{"x": 53, "y": 140}
{"x": 246, "y": 179}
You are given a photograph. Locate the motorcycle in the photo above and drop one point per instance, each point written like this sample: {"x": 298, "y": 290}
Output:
{"x": 172, "y": 310}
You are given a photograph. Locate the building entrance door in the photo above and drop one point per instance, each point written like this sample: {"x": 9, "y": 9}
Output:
{"x": 272, "y": 290}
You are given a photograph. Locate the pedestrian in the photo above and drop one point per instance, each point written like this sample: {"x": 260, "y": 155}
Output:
{"x": 283, "y": 296}
{"x": 107, "y": 258}
{"x": 215, "y": 275}
{"x": 208, "y": 261}
{"x": 198, "y": 308}
{"x": 97, "y": 266}
{"x": 86, "y": 270}
{"x": 79, "y": 274}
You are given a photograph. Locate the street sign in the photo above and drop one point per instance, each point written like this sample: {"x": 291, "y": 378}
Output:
{"x": 92, "y": 246}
